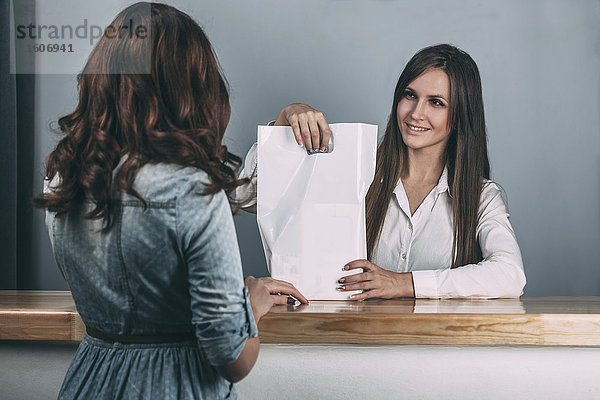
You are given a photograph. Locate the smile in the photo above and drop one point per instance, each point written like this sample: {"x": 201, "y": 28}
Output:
{"x": 416, "y": 128}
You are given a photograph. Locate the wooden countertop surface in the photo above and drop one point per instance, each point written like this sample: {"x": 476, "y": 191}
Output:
{"x": 547, "y": 321}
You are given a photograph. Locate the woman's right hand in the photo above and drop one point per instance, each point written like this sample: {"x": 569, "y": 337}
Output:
{"x": 266, "y": 292}
{"x": 309, "y": 125}
{"x": 260, "y": 297}
{"x": 283, "y": 292}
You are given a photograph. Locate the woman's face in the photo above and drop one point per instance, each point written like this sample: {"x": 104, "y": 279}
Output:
{"x": 423, "y": 111}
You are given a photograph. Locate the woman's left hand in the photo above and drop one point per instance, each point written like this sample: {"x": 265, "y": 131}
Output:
{"x": 375, "y": 281}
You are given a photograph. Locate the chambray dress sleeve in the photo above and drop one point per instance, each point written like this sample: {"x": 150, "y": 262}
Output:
{"x": 221, "y": 311}
{"x": 499, "y": 274}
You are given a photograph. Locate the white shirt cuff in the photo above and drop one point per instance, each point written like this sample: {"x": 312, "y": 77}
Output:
{"x": 426, "y": 284}
{"x": 246, "y": 194}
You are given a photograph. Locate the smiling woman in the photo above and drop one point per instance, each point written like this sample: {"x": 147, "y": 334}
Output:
{"x": 451, "y": 105}
{"x": 432, "y": 207}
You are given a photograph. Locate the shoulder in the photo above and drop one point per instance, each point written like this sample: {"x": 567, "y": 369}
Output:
{"x": 490, "y": 188}
{"x": 492, "y": 199}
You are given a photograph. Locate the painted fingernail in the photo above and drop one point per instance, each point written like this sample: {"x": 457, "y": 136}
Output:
{"x": 345, "y": 268}
{"x": 339, "y": 288}
{"x": 323, "y": 149}
{"x": 341, "y": 280}
{"x": 291, "y": 300}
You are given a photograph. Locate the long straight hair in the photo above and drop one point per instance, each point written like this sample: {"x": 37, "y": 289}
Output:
{"x": 466, "y": 152}
{"x": 174, "y": 110}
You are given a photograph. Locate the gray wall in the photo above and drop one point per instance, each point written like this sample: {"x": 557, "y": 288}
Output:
{"x": 540, "y": 65}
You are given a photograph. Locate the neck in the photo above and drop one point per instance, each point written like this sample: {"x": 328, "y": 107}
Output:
{"x": 424, "y": 166}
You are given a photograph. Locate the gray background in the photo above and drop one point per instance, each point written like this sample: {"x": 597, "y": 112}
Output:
{"x": 540, "y": 66}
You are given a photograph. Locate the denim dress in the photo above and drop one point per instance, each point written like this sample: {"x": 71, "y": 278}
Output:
{"x": 170, "y": 267}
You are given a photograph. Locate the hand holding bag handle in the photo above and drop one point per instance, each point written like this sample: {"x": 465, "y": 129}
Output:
{"x": 310, "y": 127}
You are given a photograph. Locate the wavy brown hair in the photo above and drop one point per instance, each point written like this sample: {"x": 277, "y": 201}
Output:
{"x": 159, "y": 98}
{"x": 466, "y": 151}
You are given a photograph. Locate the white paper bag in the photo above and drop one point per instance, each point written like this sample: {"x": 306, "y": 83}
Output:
{"x": 311, "y": 208}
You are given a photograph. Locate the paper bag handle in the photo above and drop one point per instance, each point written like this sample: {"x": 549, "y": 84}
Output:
{"x": 328, "y": 150}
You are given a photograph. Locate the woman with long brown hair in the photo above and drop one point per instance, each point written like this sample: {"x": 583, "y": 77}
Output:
{"x": 140, "y": 222}
{"x": 437, "y": 226}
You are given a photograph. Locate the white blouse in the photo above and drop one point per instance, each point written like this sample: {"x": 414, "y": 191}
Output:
{"x": 422, "y": 243}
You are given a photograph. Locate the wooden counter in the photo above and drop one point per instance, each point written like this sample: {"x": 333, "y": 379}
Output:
{"x": 545, "y": 321}
{"x": 39, "y": 315}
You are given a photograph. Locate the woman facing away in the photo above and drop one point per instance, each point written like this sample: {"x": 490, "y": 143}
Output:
{"x": 140, "y": 222}
{"x": 437, "y": 226}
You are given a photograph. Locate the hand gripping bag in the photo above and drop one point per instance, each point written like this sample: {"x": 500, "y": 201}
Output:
{"x": 311, "y": 208}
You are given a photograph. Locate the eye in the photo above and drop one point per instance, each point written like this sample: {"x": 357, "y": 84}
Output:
{"x": 437, "y": 103}
{"x": 409, "y": 95}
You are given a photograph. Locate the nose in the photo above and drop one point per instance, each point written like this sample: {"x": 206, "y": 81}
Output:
{"x": 418, "y": 111}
